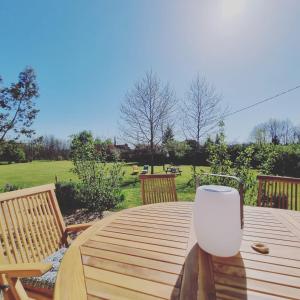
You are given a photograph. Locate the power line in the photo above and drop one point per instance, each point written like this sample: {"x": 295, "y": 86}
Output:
{"x": 262, "y": 101}
{"x": 254, "y": 104}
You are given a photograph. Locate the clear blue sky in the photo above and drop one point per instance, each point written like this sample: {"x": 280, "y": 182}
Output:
{"x": 87, "y": 54}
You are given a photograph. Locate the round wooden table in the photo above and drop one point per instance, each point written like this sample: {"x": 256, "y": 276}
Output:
{"x": 137, "y": 253}
{"x": 150, "y": 252}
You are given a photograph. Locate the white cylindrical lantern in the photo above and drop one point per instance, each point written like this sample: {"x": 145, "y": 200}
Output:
{"x": 217, "y": 220}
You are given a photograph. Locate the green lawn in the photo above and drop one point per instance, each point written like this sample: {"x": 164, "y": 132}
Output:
{"x": 35, "y": 173}
{"x": 42, "y": 172}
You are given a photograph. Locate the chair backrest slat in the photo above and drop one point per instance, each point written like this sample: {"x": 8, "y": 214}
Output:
{"x": 278, "y": 192}
{"x": 55, "y": 229}
{"x": 27, "y": 245}
{"x": 44, "y": 232}
{"x": 45, "y": 221}
{"x": 31, "y": 225}
{"x": 5, "y": 237}
{"x": 158, "y": 188}
{"x": 16, "y": 230}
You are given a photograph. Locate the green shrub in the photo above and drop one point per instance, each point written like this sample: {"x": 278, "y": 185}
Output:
{"x": 8, "y": 187}
{"x": 287, "y": 161}
{"x": 12, "y": 152}
{"x": 266, "y": 156}
{"x": 68, "y": 196}
{"x": 100, "y": 182}
{"x": 220, "y": 163}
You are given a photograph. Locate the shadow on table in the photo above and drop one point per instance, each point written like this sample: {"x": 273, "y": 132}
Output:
{"x": 207, "y": 277}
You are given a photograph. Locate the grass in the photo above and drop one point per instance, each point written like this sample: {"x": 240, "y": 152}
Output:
{"x": 43, "y": 172}
{"x": 35, "y": 173}
{"x": 131, "y": 188}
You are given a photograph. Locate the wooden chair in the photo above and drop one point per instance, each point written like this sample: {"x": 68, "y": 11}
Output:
{"x": 31, "y": 229}
{"x": 278, "y": 192}
{"x": 158, "y": 188}
{"x": 135, "y": 170}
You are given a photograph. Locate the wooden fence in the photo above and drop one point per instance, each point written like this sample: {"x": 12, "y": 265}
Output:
{"x": 278, "y": 192}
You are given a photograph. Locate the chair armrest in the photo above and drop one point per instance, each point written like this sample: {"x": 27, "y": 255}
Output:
{"x": 25, "y": 269}
{"x": 77, "y": 227}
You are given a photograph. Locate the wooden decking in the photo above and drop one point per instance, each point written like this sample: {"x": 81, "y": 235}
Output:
{"x": 149, "y": 252}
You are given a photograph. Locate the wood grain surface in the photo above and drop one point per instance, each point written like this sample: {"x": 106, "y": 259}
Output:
{"x": 150, "y": 252}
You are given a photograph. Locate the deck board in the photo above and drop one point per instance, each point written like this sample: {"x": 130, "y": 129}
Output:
{"x": 150, "y": 252}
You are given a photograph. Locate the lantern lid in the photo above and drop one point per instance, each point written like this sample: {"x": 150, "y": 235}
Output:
{"x": 217, "y": 188}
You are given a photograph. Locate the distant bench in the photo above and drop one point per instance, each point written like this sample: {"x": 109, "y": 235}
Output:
{"x": 173, "y": 170}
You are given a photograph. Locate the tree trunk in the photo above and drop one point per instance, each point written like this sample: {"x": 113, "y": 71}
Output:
{"x": 152, "y": 149}
{"x": 152, "y": 161}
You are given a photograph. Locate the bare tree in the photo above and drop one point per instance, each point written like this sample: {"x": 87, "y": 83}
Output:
{"x": 274, "y": 128}
{"x": 201, "y": 110}
{"x": 259, "y": 134}
{"x": 287, "y": 128}
{"x": 147, "y": 109}
{"x": 296, "y": 134}
{"x": 275, "y": 131}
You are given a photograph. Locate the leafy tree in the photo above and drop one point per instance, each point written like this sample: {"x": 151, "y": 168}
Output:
{"x": 17, "y": 106}
{"x": 107, "y": 149}
{"x": 176, "y": 149}
{"x": 33, "y": 148}
{"x": 221, "y": 163}
{"x": 168, "y": 135}
{"x": 46, "y": 147}
{"x": 192, "y": 144}
{"x": 12, "y": 152}
{"x": 267, "y": 155}
{"x": 243, "y": 169}
{"x": 287, "y": 160}
{"x": 219, "y": 158}
{"x": 100, "y": 181}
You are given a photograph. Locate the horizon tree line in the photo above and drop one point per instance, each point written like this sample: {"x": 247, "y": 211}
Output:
{"x": 277, "y": 132}
{"x": 151, "y": 115}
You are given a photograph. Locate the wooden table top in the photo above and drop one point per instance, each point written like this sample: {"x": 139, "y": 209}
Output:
{"x": 149, "y": 252}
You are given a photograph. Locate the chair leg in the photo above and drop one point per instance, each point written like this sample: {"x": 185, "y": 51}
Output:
{"x": 16, "y": 290}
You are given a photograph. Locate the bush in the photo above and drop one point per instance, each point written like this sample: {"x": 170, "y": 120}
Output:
{"x": 287, "y": 162}
{"x": 68, "y": 196}
{"x": 100, "y": 182}
{"x": 221, "y": 163}
{"x": 67, "y": 193}
{"x": 12, "y": 152}
{"x": 8, "y": 187}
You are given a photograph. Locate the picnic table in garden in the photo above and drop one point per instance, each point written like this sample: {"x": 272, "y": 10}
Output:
{"x": 150, "y": 252}
{"x": 173, "y": 170}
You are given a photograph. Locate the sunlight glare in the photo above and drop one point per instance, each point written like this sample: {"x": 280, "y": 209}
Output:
{"x": 232, "y": 8}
